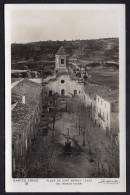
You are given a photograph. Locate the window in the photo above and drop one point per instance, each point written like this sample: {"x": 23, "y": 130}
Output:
{"x": 62, "y": 81}
{"x": 62, "y": 92}
{"x": 51, "y": 109}
{"x": 79, "y": 92}
{"x": 13, "y": 146}
{"x": 75, "y": 92}
{"x": 62, "y": 61}
{"x": 46, "y": 92}
{"x": 50, "y": 93}
{"x": 107, "y": 115}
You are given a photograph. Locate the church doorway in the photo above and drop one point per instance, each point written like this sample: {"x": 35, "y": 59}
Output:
{"x": 62, "y": 92}
{"x": 75, "y": 92}
{"x": 50, "y": 93}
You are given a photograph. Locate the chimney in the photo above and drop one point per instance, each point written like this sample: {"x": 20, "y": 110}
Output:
{"x": 23, "y": 99}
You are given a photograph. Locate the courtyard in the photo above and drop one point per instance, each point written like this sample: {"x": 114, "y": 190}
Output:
{"x": 88, "y": 156}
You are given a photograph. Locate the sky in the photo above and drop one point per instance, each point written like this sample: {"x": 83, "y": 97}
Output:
{"x": 43, "y": 25}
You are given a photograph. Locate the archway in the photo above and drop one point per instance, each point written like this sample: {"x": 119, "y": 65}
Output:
{"x": 62, "y": 92}
{"x": 50, "y": 93}
{"x": 75, "y": 92}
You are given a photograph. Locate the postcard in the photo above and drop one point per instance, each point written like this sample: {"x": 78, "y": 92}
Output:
{"x": 65, "y": 98}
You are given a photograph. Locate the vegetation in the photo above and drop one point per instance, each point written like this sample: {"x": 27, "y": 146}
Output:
{"x": 96, "y": 143}
{"x": 42, "y": 53}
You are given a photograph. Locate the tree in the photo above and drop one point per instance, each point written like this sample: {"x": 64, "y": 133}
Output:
{"x": 54, "y": 114}
{"x": 99, "y": 147}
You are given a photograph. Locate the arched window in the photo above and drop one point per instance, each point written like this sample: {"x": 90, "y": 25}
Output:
{"x": 13, "y": 146}
{"x": 62, "y": 61}
{"x": 75, "y": 92}
{"x": 50, "y": 93}
{"x": 62, "y": 92}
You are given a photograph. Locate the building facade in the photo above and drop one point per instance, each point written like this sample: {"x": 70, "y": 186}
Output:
{"x": 25, "y": 118}
{"x": 107, "y": 113}
{"x": 64, "y": 86}
{"x": 63, "y": 83}
{"x": 61, "y": 61}
{"x": 103, "y": 105}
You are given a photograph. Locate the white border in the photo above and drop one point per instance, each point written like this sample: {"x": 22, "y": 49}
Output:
{"x": 42, "y": 185}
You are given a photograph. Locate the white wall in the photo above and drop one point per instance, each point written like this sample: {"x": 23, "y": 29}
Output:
{"x": 88, "y": 100}
{"x": 104, "y": 108}
{"x": 58, "y": 61}
{"x": 69, "y": 86}
{"x": 115, "y": 121}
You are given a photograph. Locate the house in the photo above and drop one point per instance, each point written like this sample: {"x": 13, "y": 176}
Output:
{"x": 103, "y": 106}
{"x": 90, "y": 97}
{"x": 107, "y": 110}
{"x": 26, "y": 113}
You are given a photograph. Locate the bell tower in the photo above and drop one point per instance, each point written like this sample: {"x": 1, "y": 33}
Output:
{"x": 61, "y": 60}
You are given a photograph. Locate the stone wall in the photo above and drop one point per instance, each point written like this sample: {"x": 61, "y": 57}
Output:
{"x": 64, "y": 83}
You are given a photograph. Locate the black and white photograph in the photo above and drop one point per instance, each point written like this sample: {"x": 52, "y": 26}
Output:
{"x": 67, "y": 116}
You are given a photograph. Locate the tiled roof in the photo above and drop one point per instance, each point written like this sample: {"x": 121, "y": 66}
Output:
{"x": 22, "y": 112}
{"x": 61, "y": 51}
{"x": 102, "y": 91}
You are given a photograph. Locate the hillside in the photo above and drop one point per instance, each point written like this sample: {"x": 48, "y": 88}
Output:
{"x": 85, "y": 51}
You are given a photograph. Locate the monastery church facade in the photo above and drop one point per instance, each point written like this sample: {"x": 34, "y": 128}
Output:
{"x": 63, "y": 83}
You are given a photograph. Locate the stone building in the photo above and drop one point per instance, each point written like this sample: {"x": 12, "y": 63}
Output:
{"x": 103, "y": 105}
{"x": 63, "y": 83}
{"x": 27, "y": 98}
{"x": 107, "y": 110}
{"x": 61, "y": 61}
